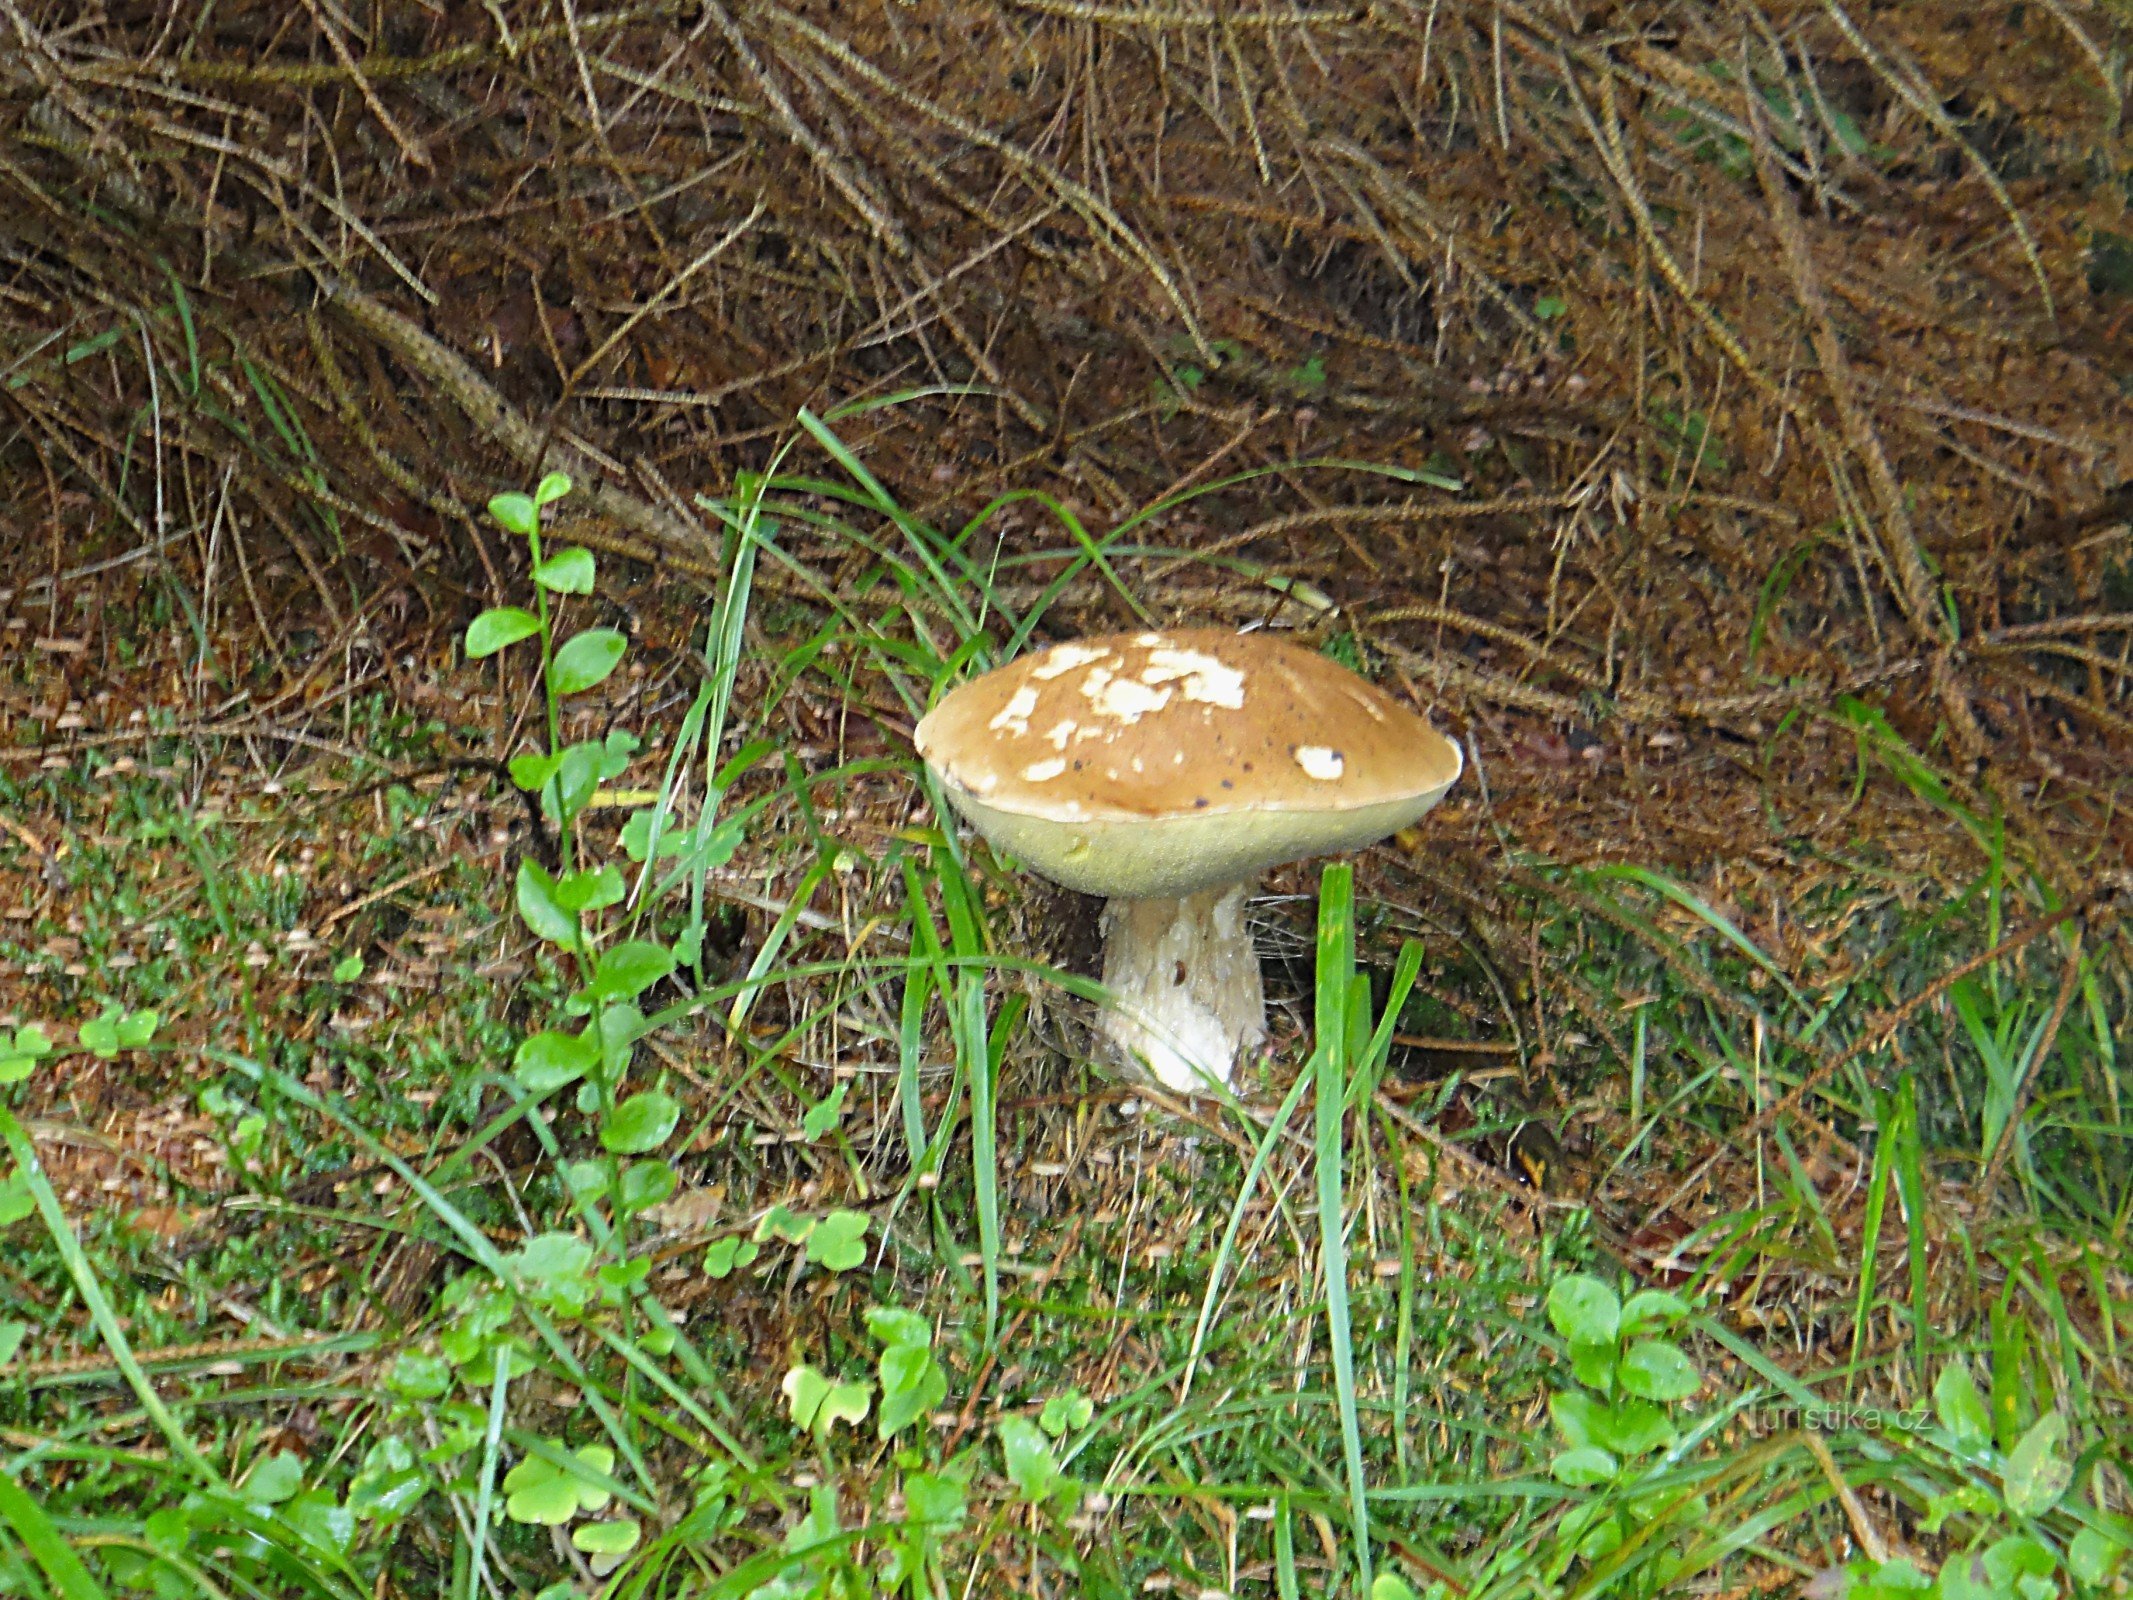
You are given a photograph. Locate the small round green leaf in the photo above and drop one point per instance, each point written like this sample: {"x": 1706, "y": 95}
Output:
{"x": 1650, "y": 1309}
{"x": 645, "y": 1184}
{"x": 933, "y": 1497}
{"x": 537, "y": 904}
{"x": 605, "y": 1538}
{"x": 1632, "y": 1428}
{"x": 549, "y": 1059}
{"x": 586, "y": 659}
{"x": 1584, "y": 1309}
{"x": 516, "y": 513}
{"x": 895, "y": 1325}
{"x": 626, "y": 970}
{"x": 1578, "y": 1416}
{"x": 553, "y": 486}
{"x": 1659, "y": 1371}
{"x": 1030, "y": 1464}
{"x": 2093, "y": 1556}
{"x": 641, "y": 1124}
{"x": 498, "y": 627}
{"x": 566, "y": 572}
{"x": 415, "y": 1375}
{"x": 1584, "y": 1467}
{"x": 590, "y": 890}
{"x": 274, "y": 1479}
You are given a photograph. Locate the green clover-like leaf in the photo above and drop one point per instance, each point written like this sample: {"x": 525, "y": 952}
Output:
{"x": 19, "y": 1056}
{"x": 541, "y": 1496}
{"x": 781, "y": 1222}
{"x": 912, "y": 1384}
{"x": 934, "y": 1498}
{"x": 1579, "y": 1417}
{"x": 16, "y": 1200}
{"x": 838, "y": 1241}
{"x": 531, "y": 769}
{"x": 1031, "y": 1467}
{"x": 2093, "y": 1556}
{"x": 823, "y": 1116}
{"x": 819, "y": 1404}
{"x": 729, "y": 1255}
{"x": 895, "y": 1325}
{"x": 1633, "y": 1428}
{"x": 552, "y": 487}
{"x": 1066, "y": 1413}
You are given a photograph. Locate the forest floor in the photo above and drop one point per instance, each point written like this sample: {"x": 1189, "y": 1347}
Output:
{"x": 571, "y": 1116}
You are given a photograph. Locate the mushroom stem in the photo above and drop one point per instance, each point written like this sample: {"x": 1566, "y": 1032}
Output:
{"x": 1186, "y": 981}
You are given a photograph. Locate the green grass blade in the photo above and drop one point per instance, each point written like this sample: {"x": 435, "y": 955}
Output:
{"x": 484, "y": 1494}
{"x": 97, "y": 1303}
{"x": 69, "y": 1575}
{"x": 1219, "y": 1267}
{"x": 1877, "y": 1194}
{"x": 1335, "y": 995}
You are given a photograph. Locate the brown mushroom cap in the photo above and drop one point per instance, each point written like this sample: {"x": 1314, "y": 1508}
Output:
{"x": 1153, "y": 765}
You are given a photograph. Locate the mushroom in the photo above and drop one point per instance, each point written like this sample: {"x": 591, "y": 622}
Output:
{"x": 1165, "y": 771}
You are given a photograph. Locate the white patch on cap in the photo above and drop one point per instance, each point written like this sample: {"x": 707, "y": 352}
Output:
{"x": 1059, "y": 733}
{"x": 1205, "y": 679}
{"x": 1014, "y": 716}
{"x": 1064, "y": 658}
{"x": 1151, "y": 641}
{"x": 1125, "y": 700}
{"x": 1319, "y": 762}
{"x": 980, "y": 782}
{"x": 1043, "y": 771}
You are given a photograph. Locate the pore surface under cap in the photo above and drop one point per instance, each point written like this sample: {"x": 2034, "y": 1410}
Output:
{"x": 1159, "y": 763}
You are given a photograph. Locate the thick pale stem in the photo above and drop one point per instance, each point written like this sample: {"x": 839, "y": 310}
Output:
{"x": 1187, "y": 985}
